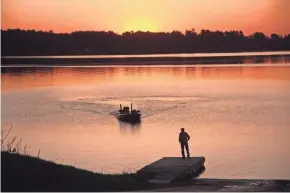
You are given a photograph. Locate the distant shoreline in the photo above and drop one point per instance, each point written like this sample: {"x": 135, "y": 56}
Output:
{"x": 17, "y": 42}
{"x": 257, "y": 57}
{"x": 157, "y": 55}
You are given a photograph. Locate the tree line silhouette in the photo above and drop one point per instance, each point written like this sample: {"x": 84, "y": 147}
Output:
{"x": 31, "y": 42}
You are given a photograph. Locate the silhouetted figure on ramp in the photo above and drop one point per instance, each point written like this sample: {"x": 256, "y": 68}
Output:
{"x": 183, "y": 139}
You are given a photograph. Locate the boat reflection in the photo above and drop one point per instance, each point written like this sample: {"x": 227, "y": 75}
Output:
{"x": 132, "y": 128}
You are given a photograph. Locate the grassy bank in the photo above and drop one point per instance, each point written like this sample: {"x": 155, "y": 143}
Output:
{"x": 26, "y": 173}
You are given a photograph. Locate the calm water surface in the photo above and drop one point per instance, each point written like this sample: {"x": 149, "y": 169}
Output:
{"x": 237, "y": 116}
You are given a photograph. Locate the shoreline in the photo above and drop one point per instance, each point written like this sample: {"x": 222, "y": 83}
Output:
{"x": 212, "y": 58}
{"x": 140, "y": 55}
{"x": 144, "y": 61}
{"x": 26, "y": 173}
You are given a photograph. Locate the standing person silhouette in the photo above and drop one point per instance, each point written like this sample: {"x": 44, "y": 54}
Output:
{"x": 183, "y": 139}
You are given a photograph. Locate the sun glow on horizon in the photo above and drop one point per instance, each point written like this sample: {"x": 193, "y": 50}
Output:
{"x": 268, "y": 16}
{"x": 141, "y": 24}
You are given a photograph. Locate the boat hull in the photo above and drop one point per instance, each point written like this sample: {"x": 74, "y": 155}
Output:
{"x": 130, "y": 118}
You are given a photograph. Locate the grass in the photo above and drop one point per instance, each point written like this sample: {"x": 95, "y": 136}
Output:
{"x": 27, "y": 173}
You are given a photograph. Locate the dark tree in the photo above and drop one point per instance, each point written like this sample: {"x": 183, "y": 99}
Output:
{"x": 31, "y": 42}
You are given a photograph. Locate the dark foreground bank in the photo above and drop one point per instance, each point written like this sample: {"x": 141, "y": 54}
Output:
{"x": 25, "y": 173}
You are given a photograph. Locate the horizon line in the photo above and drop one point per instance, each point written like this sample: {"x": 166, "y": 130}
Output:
{"x": 134, "y": 31}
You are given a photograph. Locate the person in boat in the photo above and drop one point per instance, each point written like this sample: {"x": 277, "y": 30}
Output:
{"x": 183, "y": 140}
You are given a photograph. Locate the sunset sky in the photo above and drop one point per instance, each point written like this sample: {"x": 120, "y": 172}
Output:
{"x": 249, "y": 16}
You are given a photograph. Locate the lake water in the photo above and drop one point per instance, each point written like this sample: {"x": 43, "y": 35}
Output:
{"x": 237, "y": 116}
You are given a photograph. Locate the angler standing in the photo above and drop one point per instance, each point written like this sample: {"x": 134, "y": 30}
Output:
{"x": 183, "y": 139}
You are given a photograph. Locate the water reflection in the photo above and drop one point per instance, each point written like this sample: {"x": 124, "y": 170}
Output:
{"x": 16, "y": 78}
{"x": 266, "y": 60}
{"x": 132, "y": 128}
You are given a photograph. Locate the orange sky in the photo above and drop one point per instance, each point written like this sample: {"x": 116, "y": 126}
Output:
{"x": 154, "y": 15}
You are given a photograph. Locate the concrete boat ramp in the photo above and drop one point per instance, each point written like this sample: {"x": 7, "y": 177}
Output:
{"x": 171, "y": 169}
